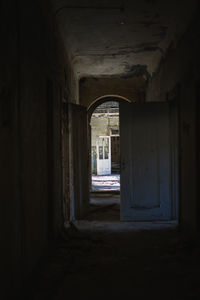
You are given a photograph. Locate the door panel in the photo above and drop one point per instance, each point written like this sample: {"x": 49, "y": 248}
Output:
{"x": 198, "y": 152}
{"x": 79, "y": 162}
{"x": 145, "y": 161}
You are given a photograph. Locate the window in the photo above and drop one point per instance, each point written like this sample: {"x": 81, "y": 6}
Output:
{"x": 100, "y": 152}
{"x": 114, "y": 131}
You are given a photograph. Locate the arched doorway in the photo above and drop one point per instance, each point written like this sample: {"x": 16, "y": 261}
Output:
{"x": 104, "y": 157}
{"x": 148, "y": 160}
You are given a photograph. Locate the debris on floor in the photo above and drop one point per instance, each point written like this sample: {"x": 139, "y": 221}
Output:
{"x": 103, "y": 258}
{"x": 160, "y": 264}
{"x": 106, "y": 183}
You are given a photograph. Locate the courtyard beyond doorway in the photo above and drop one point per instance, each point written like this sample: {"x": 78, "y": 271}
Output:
{"x": 106, "y": 183}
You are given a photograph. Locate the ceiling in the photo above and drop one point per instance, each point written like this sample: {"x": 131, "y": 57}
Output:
{"x": 121, "y": 37}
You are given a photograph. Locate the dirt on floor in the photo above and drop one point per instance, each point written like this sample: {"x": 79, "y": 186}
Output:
{"x": 106, "y": 264}
{"x": 159, "y": 264}
{"x": 105, "y": 208}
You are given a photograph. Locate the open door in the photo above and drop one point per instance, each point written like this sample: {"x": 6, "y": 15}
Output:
{"x": 145, "y": 162}
{"x": 78, "y": 158}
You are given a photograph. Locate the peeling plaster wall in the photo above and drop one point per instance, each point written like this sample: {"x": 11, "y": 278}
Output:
{"x": 93, "y": 88}
{"x": 72, "y": 83}
{"x": 100, "y": 126}
{"x": 32, "y": 86}
{"x": 112, "y": 36}
{"x": 181, "y": 68}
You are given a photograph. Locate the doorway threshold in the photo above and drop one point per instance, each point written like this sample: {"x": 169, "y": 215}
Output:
{"x": 105, "y": 193}
{"x": 109, "y": 226}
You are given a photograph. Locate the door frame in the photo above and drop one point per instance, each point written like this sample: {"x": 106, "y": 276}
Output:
{"x": 90, "y": 110}
{"x": 198, "y": 153}
{"x": 79, "y": 197}
{"x": 173, "y": 98}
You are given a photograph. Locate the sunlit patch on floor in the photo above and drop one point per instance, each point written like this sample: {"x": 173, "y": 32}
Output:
{"x": 106, "y": 183}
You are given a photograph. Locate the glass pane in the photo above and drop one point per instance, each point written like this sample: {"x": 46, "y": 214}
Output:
{"x": 94, "y": 150}
{"x": 106, "y": 152}
{"x": 115, "y": 131}
{"x": 94, "y": 160}
{"x": 100, "y": 152}
{"x": 106, "y": 141}
{"x": 100, "y": 142}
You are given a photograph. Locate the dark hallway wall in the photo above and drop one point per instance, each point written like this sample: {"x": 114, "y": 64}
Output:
{"x": 32, "y": 80}
{"x": 176, "y": 80}
{"x": 9, "y": 107}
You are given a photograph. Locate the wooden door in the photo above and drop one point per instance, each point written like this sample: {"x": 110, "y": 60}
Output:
{"x": 198, "y": 153}
{"x": 115, "y": 154}
{"x": 145, "y": 162}
{"x": 78, "y": 157}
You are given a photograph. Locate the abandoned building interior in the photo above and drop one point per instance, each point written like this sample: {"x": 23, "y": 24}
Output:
{"x": 64, "y": 64}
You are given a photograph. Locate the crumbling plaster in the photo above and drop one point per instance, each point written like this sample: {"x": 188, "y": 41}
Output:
{"x": 91, "y": 88}
{"x": 105, "y": 38}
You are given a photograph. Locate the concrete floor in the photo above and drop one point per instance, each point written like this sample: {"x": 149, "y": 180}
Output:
{"x": 109, "y": 260}
{"x": 105, "y": 216}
